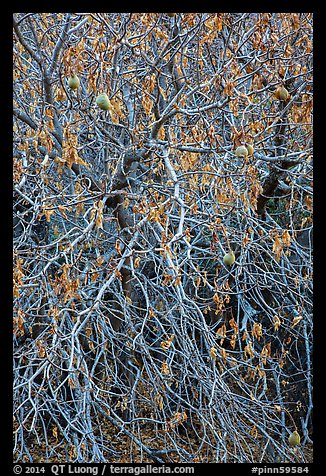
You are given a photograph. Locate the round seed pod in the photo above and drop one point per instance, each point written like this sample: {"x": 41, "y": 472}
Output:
{"x": 229, "y": 258}
{"x": 241, "y": 151}
{"x": 250, "y": 149}
{"x": 73, "y": 82}
{"x": 103, "y": 101}
{"x": 282, "y": 93}
{"x": 294, "y": 439}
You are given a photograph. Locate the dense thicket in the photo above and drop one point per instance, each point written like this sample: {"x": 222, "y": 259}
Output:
{"x": 133, "y": 339}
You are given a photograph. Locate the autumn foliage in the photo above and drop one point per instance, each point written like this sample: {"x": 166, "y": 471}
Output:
{"x": 134, "y": 340}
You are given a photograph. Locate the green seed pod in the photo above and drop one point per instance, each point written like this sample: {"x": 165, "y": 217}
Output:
{"x": 241, "y": 151}
{"x": 103, "y": 101}
{"x": 250, "y": 149}
{"x": 282, "y": 94}
{"x": 229, "y": 258}
{"x": 294, "y": 439}
{"x": 73, "y": 82}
